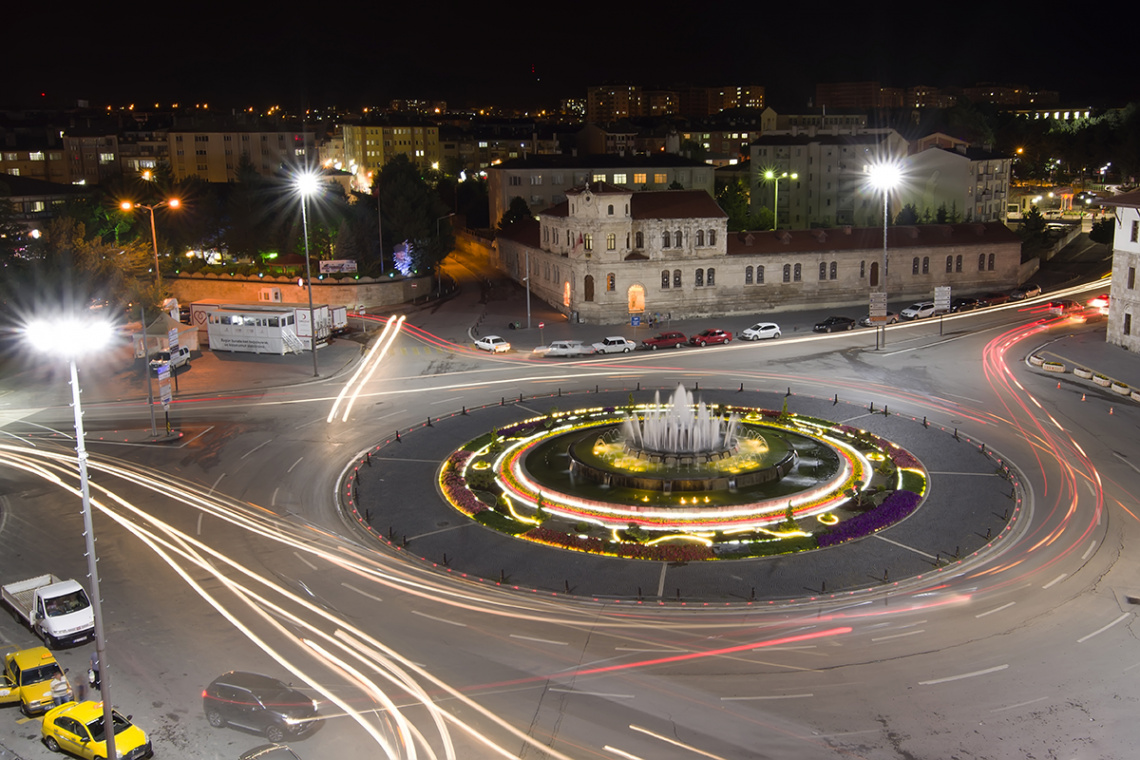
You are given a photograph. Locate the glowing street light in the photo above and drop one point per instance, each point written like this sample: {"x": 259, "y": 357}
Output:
{"x": 771, "y": 176}
{"x": 168, "y": 203}
{"x": 73, "y": 338}
{"x": 885, "y": 176}
{"x": 306, "y": 183}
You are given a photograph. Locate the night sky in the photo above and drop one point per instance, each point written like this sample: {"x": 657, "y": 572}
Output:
{"x": 348, "y": 55}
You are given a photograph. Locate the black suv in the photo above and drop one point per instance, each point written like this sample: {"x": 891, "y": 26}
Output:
{"x": 261, "y": 704}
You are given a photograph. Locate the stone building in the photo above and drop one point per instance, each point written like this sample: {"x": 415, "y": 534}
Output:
{"x": 1125, "y": 301}
{"x": 607, "y": 254}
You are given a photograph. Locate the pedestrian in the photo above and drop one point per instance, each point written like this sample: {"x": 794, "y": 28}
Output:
{"x": 93, "y": 671}
{"x": 60, "y": 689}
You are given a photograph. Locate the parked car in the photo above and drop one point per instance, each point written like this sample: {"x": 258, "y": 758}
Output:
{"x": 832, "y": 324}
{"x": 493, "y": 343}
{"x": 965, "y": 304}
{"x": 259, "y": 703}
{"x": 270, "y": 752}
{"x": 994, "y": 299}
{"x": 710, "y": 336}
{"x": 665, "y": 340}
{"x": 564, "y": 348}
{"x": 920, "y": 310}
{"x": 78, "y": 729}
{"x": 1025, "y": 291}
{"x": 27, "y": 678}
{"x": 171, "y": 359}
{"x": 891, "y": 319}
{"x": 614, "y": 344}
{"x": 761, "y": 331}
{"x": 1064, "y": 306}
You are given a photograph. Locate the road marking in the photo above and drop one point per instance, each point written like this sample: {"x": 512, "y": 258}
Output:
{"x": 442, "y": 530}
{"x": 540, "y": 641}
{"x": 1083, "y": 639}
{"x": 1088, "y": 551}
{"x": 255, "y": 448}
{"x": 294, "y": 464}
{"x": 199, "y": 530}
{"x": 661, "y": 582}
{"x": 1056, "y": 580}
{"x": 362, "y": 592}
{"x": 273, "y": 499}
{"x": 897, "y": 635}
{"x": 772, "y": 696}
{"x": 219, "y": 480}
{"x": 1019, "y": 704}
{"x": 299, "y": 556}
{"x": 446, "y": 400}
{"x": 439, "y": 619}
{"x": 997, "y": 609}
{"x": 980, "y": 474}
{"x": 659, "y": 651}
{"x": 947, "y": 679}
{"x": 904, "y": 546}
{"x": 622, "y": 753}
{"x": 592, "y": 693}
{"x": 675, "y": 743}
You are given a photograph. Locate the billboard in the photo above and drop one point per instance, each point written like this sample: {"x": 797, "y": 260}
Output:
{"x": 338, "y": 266}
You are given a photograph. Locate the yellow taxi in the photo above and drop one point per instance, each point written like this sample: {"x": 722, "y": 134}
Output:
{"x": 77, "y": 728}
{"x": 27, "y": 679}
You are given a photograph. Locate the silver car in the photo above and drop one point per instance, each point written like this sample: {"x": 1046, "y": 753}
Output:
{"x": 761, "y": 331}
{"x": 919, "y": 310}
{"x": 614, "y": 344}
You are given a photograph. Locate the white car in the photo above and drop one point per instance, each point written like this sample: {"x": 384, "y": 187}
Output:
{"x": 919, "y": 310}
{"x": 493, "y": 343}
{"x": 761, "y": 331}
{"x": 614, "y": 345}
{"x": 171, "y": 359}
{"x": 564, "y": 348}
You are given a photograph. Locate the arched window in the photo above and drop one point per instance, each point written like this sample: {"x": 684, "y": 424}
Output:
{"x": 981, "y": 262}
{"x": 834, "y": 270}
{"x": 676, "y": 278}
{"x": 710, "y": 277}
{"x": 677, "y": 239}
{"x": 914, "y": 266}
{"x": 611, "y": 209}
{"x": 747, "y": 275}
{"x": 665, "y": 240}
{"x": 823, "y": 270}
{"x": 588, "y": 288}
{"x": 627, "y": 240}
{"x": 797, "y": 273}
{"x": 611, "y": 282}
{"x": 664, "y": 279}
{"x": 611, "y": 242}
{"x": 588, "y": 241}
{"x": 787, "y": 272}
{"x": 700, "y": 237}
{"x": 958, "y": 263}
{"x": 699, "y": 281}
{"x": 640, "y": 238}
{"x": 759, "y": 275}
{"x": 712, "y": 237}
{"x": 874, "y": 279}
{"x": 949, "y": 264}
{"x": 926, "y": 265}
{"x": 991, "y": 263}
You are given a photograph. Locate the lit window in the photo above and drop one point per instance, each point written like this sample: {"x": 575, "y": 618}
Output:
{"x": 611, "y": 242}
{"x": 619, "y": 179}
{"x": 611, "y": 282}
{"x": 588, "y": 241}
{"x": 639, "y": 179}
{"x": 660, "y": 179}
{"x": 599, "y": 178}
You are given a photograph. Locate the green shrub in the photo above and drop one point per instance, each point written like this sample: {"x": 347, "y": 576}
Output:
{"x": 501, "y": 523}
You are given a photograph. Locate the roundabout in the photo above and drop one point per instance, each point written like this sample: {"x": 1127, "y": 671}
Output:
{"x": 814, "y": 497}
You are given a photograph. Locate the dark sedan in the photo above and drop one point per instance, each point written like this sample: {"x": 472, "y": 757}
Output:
{"x": 833, "y": 324}
{"x": 965, "y": 304}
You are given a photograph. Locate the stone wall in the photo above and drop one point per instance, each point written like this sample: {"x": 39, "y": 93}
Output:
{"x": 366, "y": 292}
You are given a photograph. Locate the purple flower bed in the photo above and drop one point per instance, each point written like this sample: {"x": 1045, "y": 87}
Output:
{"x": 894, "y": 508}
{"x": 456, "y": 487}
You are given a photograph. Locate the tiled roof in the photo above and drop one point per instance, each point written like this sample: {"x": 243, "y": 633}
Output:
{"x": 604, "y": 161}
{"x": 675, "y": 204}
{"x": 1131, "y": 200}
{"x": 867, "y": 238}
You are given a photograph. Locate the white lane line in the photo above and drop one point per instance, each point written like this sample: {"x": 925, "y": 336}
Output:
{"x": 622, "y": 753}
{"x": 199, "y": 530}
{"x": 301, "y": 557}
{"x": 273, "y": 499}
{"x": 446, "y": 400}
{"x": 219, "y": 480}
{"x": 1056, "y": 580}
{"x": 540, "y": 641}
{"x": 439, "y": 619}
{"x": 1088, "y": 551}
{"x": 897, "y": 635}
{"x": 255, "y": 448}
{"x": 661, "y": 583}
{"x": 362, "y": 592}
{"x": 844, "y": 733}
{"x": 294, "y": 464}
{"x": 607, "y": 695}
{"x": 772, "y": 696}
{"x": 674, "y": 742}
{"x": 1019, "y": 704}
{"x": 658, "y": 651}
{"x": 904, "y": 546}
{"x": 947, "y": 679}
{"x": 1005, "y": 606}
{"x": 1083, "y": 639}
{"x": 1130, "y": 667}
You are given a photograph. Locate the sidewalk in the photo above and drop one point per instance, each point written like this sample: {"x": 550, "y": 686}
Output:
{"x": 1088, "y": 350}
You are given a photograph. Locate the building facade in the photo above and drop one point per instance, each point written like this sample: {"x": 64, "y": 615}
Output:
{"x": 969, "y": 182}
{"x": 1124, "y": 305}
{"x": 607, "y": 254}
{"x": 214, "y": 156}
{"x": 367, "y": 147}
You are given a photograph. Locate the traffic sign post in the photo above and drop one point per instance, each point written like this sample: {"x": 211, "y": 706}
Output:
{"x": 941, "y": 303}
{"x": 878, "y": 317}
{"x": 172, "y": 342}
{"x": 164, "y": 393}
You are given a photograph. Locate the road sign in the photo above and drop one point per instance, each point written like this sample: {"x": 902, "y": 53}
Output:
{"x": 878, "y": 306}
{"x": 172, "y": 339}
{"x": 942, "y": 298}
{"x": 541, "y": 325}
{"x": 635, "y": 320}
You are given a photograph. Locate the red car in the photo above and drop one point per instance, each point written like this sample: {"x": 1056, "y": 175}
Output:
{"x": 710, "y": 336}
{"x": 664, "y": 340}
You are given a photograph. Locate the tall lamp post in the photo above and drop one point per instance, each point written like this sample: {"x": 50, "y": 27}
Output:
{"x": 168, "y": 203}
{"x": 74, "y": 338}
{"x": 306, "y": 184}
{"x": 774, "y": 178}
{"x": 884, "y": 176}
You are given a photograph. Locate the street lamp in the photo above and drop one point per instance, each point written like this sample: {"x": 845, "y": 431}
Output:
{"x": 884, "y": 176}
{"x": 168, "y": 203}
{"x": 306, "y": 184}
{"x": 774, "y": 178}
{"x": 73, "y": 338}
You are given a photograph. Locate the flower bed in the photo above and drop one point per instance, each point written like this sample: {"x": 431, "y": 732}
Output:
{"x": 894, "y": 508}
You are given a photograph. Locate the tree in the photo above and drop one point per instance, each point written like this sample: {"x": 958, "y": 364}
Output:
{"x": 908, "y": 215}
{"x": 1034, "y": 222}
{"x": 516, "y": 212}
{"x": 412, "y": 212}
{"x": 11, "y": 235}
{"x": 1102, "y": 231}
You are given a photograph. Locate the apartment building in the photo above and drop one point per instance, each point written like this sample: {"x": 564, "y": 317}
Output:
{"x": 367, "y": 147}
{"x": 214, "y": 156}
{"x": 951, "y": 174}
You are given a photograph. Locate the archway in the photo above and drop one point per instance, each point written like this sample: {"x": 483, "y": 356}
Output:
{"x": 636, "y": 299}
